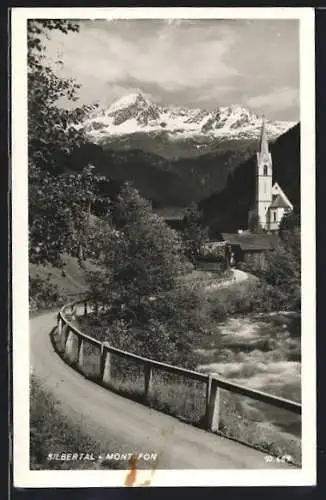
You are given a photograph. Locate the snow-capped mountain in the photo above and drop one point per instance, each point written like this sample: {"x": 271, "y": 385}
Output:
{"x": 175, "y": 155}
{"x": 137, "y": 113}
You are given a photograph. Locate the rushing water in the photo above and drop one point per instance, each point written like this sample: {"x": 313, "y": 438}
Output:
{"x": 261, "y": 352}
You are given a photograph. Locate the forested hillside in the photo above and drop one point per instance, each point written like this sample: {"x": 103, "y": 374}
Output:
{"x": 228, "y": 210}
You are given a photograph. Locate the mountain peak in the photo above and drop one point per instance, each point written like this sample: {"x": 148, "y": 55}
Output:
{"x": 128, "y": 100}
{"x": 137, "y": 113}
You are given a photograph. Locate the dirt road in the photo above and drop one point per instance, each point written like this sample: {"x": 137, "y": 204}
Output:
{"x": 121, "y": 425}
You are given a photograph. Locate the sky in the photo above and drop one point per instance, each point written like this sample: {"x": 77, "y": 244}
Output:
{"x": 197, "y": 63}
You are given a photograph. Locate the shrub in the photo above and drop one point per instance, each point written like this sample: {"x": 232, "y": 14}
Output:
{"x": 43, "y": 294}
{"x": 279, "y": 285}
{"x": 281, "y": 278}
{"x": 164, "y": 329}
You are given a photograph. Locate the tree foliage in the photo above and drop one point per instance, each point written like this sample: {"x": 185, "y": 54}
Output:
{"x": 194, "y": 233}
{"x": 290, "y": 222}
{"x": 60, "y": 209}
{"x": 142, "y": 257}
{"x": 53, "y": 132}
{"x": 280, "y": 279}
{"x": 283, "y": 272}
{"x": 60, "y": 203}
{"x": 138, "y": 279}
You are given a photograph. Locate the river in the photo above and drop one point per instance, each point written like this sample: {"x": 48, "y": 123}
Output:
{"x": 260, "y": 351}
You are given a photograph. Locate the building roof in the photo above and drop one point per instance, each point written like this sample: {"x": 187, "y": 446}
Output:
{"x": 279, "y": 202}
{"x": 285, "y": 202}
{"x": 250, "y": 241}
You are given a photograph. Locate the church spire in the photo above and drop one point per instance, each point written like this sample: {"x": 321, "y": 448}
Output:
{"x": 263, "y": 139}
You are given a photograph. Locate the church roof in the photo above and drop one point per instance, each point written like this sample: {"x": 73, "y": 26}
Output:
{"x": 279, "y": 202}
{"x": 284, "y": 202}
{"x": 263, "y": 139}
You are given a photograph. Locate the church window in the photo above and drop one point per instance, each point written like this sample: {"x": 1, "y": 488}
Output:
{"x": 275, "y": 216}
{"x": 265, "y": 169}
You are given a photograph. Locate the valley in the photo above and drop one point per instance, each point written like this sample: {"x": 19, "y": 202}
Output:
{"x": 196, "y": 163}
{"x": 164, "y": 242}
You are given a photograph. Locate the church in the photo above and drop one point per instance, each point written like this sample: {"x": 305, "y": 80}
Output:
{"x": 271, "y": 203}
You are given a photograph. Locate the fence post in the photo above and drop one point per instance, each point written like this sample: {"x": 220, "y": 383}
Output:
{"x": 73, "y": 312}
{"x": 69, "y": 343}
{"x": 65, "y": 333}
{"x": 148, "y": 381}
{"x": 212, "y": 405}
{"x": 105, "y": 366}
{"x": 59, "y": 325}
{"x": 80, "y": 360}
{"x": 79, "y": 349}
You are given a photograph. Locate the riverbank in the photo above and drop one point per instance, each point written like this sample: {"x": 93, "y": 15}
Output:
{"x": 263, "y": 352}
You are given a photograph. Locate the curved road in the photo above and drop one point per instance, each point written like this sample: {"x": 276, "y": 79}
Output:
{"x": 121, "y": 425}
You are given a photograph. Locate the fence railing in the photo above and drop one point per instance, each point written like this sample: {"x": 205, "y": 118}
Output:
{"x": 74, "y": 342}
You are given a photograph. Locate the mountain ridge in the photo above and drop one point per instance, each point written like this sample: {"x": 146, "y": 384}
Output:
{"x": 178, "y": 171}
{"x": 136, "y": 122}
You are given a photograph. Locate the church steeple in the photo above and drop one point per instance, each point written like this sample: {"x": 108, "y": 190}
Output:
{"x": 264, "y": 151}
{"x": 264, "y": 178}
{"x": 270, "y": 202}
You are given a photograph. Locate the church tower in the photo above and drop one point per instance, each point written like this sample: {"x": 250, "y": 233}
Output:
{"x": 264, "y": 179}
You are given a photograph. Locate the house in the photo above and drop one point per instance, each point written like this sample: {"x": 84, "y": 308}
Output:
{"x": 270, "y": 203}
{"x": 250, "y": 248}
{"x": 214, "y": 256}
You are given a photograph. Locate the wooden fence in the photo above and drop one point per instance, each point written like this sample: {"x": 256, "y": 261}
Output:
{"x": 74, "y": 344}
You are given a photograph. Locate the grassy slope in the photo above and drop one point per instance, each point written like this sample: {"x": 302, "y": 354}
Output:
{"x": 69, "y": 280}
{"x": 57, "y": 435}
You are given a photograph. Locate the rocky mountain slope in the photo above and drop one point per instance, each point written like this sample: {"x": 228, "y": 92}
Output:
{"x": 172, "y": 155}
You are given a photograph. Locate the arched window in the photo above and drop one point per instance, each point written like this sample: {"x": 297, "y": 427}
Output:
{"x": 265, "y": 169}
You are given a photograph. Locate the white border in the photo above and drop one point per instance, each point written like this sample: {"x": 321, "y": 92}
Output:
{"x": 23, "y": 477}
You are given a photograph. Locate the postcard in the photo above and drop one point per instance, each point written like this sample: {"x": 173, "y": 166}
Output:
{"x": 163, "y": 247}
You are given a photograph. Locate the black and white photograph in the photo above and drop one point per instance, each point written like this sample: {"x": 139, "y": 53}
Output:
{"x": 163, "y": 246}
